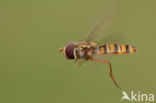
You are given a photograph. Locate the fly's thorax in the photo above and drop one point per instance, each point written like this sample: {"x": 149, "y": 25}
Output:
{"x": 84, "y": 50}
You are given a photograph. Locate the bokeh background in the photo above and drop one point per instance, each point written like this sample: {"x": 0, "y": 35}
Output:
{"x": 33, "y": 71}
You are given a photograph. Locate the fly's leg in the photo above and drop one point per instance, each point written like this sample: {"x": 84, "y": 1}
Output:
{"x": 110, "y": 66}
{"x": 81, "y": 62}
{"x": 76, "y": 60}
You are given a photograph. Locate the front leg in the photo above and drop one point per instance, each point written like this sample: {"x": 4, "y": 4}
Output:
{"x": 76, "y": 60}
{"x": 81, "y": 62}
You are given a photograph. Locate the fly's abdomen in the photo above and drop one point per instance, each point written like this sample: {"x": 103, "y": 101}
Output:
{"x": 115, "y": 49}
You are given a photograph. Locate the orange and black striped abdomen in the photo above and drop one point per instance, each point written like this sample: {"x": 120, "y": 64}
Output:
{"x": 115, "y": 49}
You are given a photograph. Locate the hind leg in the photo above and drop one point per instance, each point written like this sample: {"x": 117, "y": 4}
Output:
{"x": 110, "y": 66}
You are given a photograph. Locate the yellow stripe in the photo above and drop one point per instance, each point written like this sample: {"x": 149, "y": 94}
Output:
{"x": 102, "y": 50}
{"x": 131, "y": 49}
{"x": 112, "y": 48}
{"x": 119, "y": 50}
{"x": 123, "y": 48}
{"x": 108, "y": 50}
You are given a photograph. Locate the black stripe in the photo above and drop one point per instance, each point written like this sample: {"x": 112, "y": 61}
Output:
{"x": 116, "y": 48}
{"x": 109, "y": 47}
{"x": 105, "y": 48}
{"x": 121, "y": 48}
{"x": 127, "y": 48}
{"x": 94, "y": 50}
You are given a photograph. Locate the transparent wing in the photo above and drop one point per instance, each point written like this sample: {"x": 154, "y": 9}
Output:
{"x": 113, "y": 38}
{"x": 104, "y": 23}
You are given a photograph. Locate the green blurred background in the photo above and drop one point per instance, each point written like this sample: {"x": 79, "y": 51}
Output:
{"x": 33, "y": 71}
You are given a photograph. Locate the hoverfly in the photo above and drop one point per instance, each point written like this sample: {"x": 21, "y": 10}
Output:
{"x": 87, "y": 50}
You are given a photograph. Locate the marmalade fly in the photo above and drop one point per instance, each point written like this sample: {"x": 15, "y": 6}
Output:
{"x": 87, "y": 50}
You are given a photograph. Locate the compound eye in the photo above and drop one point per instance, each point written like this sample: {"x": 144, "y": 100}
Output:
{"x": 69, "y": 50}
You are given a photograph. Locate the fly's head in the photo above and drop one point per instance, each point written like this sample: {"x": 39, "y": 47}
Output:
{"x": 69, "y": 50}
